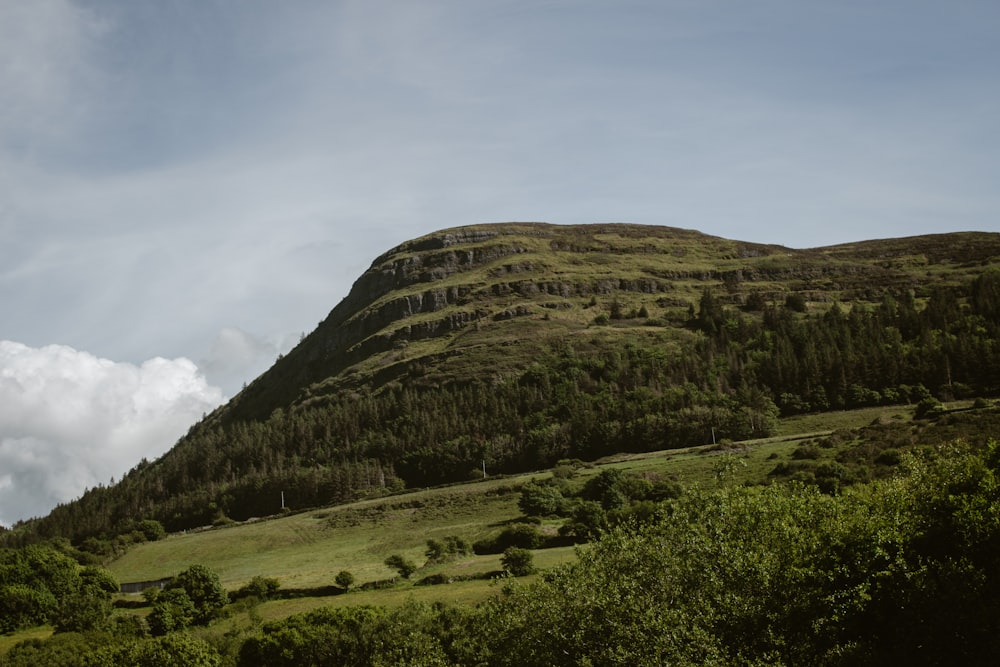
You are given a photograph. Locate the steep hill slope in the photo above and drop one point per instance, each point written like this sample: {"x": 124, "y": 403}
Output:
{"x": 447, "y": 294}
{"x": 515, "y": 345}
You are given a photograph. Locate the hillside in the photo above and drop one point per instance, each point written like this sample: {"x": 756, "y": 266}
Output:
{"x": 513, "y": 346}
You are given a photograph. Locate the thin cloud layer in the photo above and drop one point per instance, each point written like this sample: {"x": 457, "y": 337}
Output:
{"x": 70, "y": 420}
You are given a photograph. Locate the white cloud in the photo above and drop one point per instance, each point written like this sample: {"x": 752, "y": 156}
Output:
{"x": 70, "y": 420}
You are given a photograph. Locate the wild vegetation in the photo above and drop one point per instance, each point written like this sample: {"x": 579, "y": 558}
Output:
{"x": 495, "y": 350}
{"x": 900, "y": 568}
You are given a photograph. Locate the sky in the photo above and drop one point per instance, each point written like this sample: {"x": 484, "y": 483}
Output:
{"x": 188, "y": 186}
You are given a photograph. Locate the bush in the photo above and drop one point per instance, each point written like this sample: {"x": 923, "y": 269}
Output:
{"x": 539, "y": 500}
{"x": 404, "y": 566}
{"x": 518, "y": 561}
{"x": 796, "y": 302}
{"x": 928, "y": 408}
{"x": 151, "y": 529}
{"x": 173, "y": 611}
{"x": 522, "y": 535}
{"x": 344, "y": 579}
{"x": 22, "y": 606}
{"x": 439, "y": 551}
{"x": 588, "y": 521}
{"x": 259, "y": 587}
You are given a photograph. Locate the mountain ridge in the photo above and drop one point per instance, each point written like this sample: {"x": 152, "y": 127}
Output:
{"x": 414, "y": 271}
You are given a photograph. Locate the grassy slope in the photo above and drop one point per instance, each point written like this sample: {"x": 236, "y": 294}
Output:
{"x": 307, "y": 550}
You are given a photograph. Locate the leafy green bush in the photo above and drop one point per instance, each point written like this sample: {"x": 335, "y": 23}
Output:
{"x": 172, "y": 611}
{"x": 540, "y": 499}
{"x": 403, "y": 565}
{"x": 344, "y": 579}
{"x": 259, "y": 587}
{"x": 524, "y": 535}
{"x": 519, "y": 562}
{"x": 203, "y": 589}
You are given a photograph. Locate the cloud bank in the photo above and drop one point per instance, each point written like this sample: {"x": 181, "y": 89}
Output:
{"x": 70, "y": 420}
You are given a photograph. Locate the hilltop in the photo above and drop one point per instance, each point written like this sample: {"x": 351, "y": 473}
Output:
{"x": 512, "y": 346}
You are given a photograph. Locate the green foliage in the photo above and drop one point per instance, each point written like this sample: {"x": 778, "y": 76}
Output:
{"x": 440, "y": 551}
{"x": 519, "y": 562}
{"x": 587, "y": 522}
{"x": 42, "y": 584}
{"x": 70, "y": 649}
{"x": 344, "y": 579}
{"x": 415, "y": 634}
{"x": 540, "y": 499}
{"x": 83, "y": 611}
{"x": 203, "y": 590}
{"x": 902, "y": 572}
{"x": 151, "y": 529}
{"x": 401, "y": 564}
{"x": 23, "y": 606}
{"x": 172, "y": 611}
{"x": 524, "y": 535}
{"x": 259, "y": 587}
{"x": 174, "y": 650}
{"x": 928, "y": 408}
{"x": 325, "y": 637}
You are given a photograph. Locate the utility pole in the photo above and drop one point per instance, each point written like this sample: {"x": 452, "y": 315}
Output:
{"x": 484, "y": 468}
{"x": 282, "y": 500}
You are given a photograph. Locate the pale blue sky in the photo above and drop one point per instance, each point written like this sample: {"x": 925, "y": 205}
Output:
{"x": 204, "y": 179}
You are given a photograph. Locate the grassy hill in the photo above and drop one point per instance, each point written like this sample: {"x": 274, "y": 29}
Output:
{"x": 518, "y": 345}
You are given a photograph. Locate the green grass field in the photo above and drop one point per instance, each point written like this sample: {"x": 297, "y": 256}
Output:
{"x": 306, "y": 550}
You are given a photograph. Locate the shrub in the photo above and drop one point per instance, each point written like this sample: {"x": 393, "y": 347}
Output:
{"x": 439, "y": 551}
{"x": 928, "y": 408}
{"x": 344, "y": 579}
{"x": 806, "y": 452}
{"x": 151, "y": 529}
{"x": 173, "y": 611}
{"x": 522, "y": 535}
{"x": 22, "y": 606}
{"x": 539, "y": 500}
{"x": 259, "y": 587}
{"x": 518, "y": 561}
{"x": 404, "y": 566}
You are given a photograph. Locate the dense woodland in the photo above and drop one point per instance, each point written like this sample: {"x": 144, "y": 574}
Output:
{"x": 732, "y": 374}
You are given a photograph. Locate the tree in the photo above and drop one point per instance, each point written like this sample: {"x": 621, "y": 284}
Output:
{"x": 796, "y": 301}
{"x": 344, "y": 579}
{"x": 540, "y": 500}
{"x": 404, "y": 566}
{"x": 151, "y": 529}
{"x": 24, "y": 606}
{"x": 518, "y": 561}
{"x": 172, "y": 611}
{"x": 204, "y": 590}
